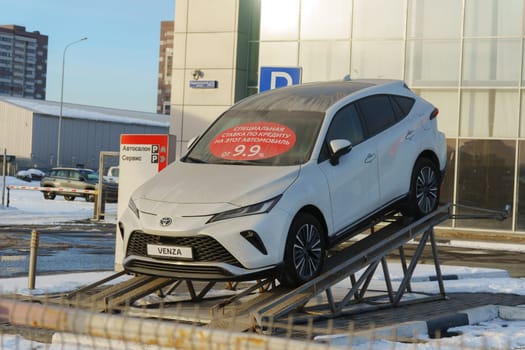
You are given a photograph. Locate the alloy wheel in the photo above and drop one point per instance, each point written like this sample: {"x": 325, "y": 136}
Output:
{"x": 307, "y": 251}
{"x": 427, "y": 189}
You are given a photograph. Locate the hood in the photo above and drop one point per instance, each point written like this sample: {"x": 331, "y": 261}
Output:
{"x": 239, "y": 185}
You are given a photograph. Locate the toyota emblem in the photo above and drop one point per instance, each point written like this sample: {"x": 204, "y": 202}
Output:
{"x": 166, "y": 221}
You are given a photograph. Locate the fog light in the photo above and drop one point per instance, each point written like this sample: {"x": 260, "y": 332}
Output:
{"x": 255, "y": 240}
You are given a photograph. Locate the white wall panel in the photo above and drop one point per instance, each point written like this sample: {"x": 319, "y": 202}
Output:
{"x": 278, "y": 53}
{"x": 210, "y": 50}
{"x": 211, "y": 16}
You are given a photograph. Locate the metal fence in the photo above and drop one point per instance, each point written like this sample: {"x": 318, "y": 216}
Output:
{"x": 28, "y": 322}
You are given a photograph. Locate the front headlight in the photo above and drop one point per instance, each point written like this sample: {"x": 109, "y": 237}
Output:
{"x": 133, "y": 207}
{"x": 259, "y": 208}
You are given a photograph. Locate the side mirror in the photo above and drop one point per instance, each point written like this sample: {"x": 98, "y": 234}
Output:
{"x": 192, "y": 141}
{"x": 338, "y": 148}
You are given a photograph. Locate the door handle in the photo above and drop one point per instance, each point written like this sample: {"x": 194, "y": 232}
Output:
{"x": 370, "y": 157}
{"x": 410, "y": 134}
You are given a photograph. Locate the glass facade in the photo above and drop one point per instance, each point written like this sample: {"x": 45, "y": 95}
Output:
{"x": 465, "y": 56}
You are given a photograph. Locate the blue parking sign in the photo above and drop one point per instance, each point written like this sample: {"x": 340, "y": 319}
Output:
{"x": 276, "y": 77}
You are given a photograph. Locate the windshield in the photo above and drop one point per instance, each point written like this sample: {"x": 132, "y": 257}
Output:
{"x": 258, "y": 138}
{"x": 90, "y": 176}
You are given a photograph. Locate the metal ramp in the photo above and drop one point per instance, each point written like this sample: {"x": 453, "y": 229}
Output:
{"x": 242, "y": 306}
{"x": 367, "y": 254}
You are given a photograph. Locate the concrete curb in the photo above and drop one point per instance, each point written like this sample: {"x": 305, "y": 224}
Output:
{"x": 438, "y": 326}
{"x": 460, "y": 276}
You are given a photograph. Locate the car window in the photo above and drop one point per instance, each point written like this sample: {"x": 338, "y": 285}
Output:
{"x": 75, "y": 175}
{"x": 398, "y": 111}
{"x": 89, "y": 175}
{"x": 405, "y": 103}
{"x": 377, "y": 112}
{"x": 258, "y": 137}
{"x": 62, "y": 173}
{"x": 347, "y": 125}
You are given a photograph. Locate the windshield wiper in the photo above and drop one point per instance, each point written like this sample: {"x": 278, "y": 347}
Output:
{"x": 193, "y": 160}
{"x": 239, "y": 162}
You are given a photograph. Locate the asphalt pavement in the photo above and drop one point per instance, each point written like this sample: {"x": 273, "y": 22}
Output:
{"x": 89, "y": 246}
{"x": 72, "y": 247}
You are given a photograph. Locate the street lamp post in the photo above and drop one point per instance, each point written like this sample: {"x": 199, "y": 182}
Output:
{"x": 62, "y": 98}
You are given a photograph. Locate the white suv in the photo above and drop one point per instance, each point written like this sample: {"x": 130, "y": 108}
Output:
{"x": 281, "y": 177}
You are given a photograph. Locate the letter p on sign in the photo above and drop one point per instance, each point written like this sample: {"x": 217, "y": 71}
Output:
{"x": 276, "y": 77}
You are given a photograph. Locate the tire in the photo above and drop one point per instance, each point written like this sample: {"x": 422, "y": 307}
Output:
{"x": 424, "y": 188}
{"x": 304, "y": 252}
{"x": 69, "y": 197}
{"x": 90, "y": 198}
{"x": 49, "y": 195}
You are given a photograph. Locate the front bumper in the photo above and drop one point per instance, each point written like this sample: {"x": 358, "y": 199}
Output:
{"x": 220, "y": 250}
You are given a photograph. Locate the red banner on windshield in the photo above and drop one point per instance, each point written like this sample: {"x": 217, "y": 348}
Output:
{"x": 253, "y": 141}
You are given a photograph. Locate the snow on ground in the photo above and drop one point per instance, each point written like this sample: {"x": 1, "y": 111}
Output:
{"x": 496, "y": 334}
{"x": 29, "y": 207}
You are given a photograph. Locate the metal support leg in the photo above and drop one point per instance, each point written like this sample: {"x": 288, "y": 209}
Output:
{"x": 388, "y": 282}
{"x": 437, "y": 264}
{"x": 353, "y": 281}
{"x": 191, "y": 289}
{"x": 369, "y": 277}
{"x": 331, "y": 302}
{"x": 205, "y": 290}
{"x": 412, "y": 267}
{"x": 404, "y": 266}
{"x": 366, "y": 276}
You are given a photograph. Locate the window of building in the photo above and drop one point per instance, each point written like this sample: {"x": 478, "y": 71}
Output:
{"x": 485, "y": 180}
{"x": 520, "y": 208}
{"x": 447, "y": 187}
{"x": 447, "y": 101}
{"x": 434, "y": 19}
{"x": 319, "y": 21}
{"x": 331, "y": 64}
{"x": 279, "y": 20}
{"x": 377, "y": 59}
{"x": 492, "y": 62}
{"x": 493, "y": 17}
{"x": 423, "y": 56}
{"x": 388, "y": 19}
{"x": 489, "y": 113}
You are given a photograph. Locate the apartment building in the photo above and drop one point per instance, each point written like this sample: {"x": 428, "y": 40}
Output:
{"x": 23, "y": 62}
{"x": 165, "y": 67}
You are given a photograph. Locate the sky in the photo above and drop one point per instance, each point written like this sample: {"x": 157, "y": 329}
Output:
{"x": 116, "y": 66}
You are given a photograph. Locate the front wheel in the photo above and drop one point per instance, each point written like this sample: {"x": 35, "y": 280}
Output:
{"x": 304, "y": 252}
{"x": 49, "y": 195}
{"x": 424, "y": 188}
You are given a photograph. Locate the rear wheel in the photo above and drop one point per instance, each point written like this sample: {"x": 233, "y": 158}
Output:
{"x": 90, "y": 198}
{"x": 304, "y": 252}
{"x": 424, "y": 188}
{"x": 49, "y": 195}
{"x": 69, "y": 197}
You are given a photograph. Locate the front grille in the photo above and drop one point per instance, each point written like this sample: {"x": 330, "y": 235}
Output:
{"x": 205, "y": 249}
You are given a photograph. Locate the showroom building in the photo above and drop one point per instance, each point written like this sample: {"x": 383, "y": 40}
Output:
{"x": 465, "y": 56}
